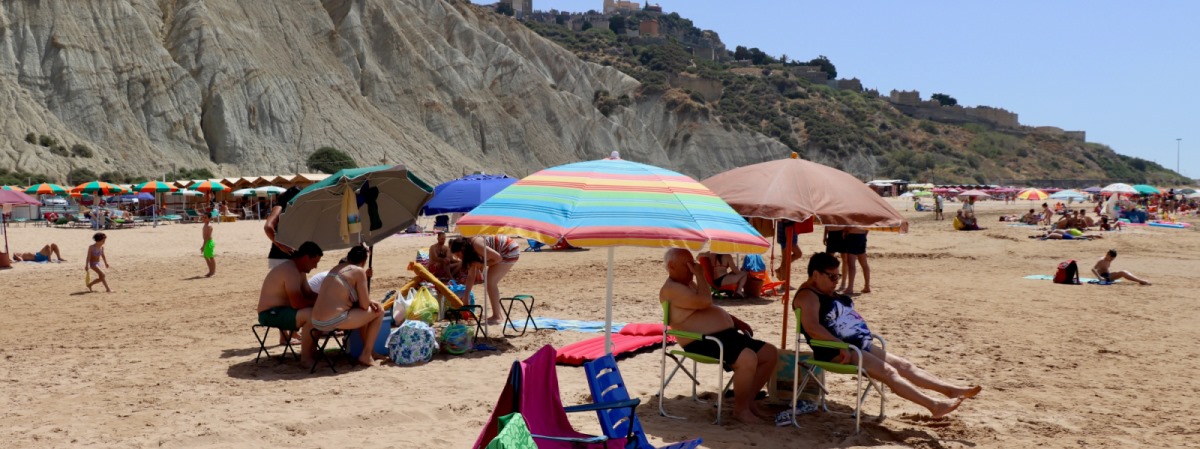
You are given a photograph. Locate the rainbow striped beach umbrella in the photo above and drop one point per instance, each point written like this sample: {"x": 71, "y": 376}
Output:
{"x": 1032, "y": 195}
{"x": 612, "y": 202}
{"x": 46, "y": 188}
{"x": 100, "y": 188}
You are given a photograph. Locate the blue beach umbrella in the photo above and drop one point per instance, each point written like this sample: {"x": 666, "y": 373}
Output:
{"x": 465, "y": 193}
{"x": 1069, "y": 195}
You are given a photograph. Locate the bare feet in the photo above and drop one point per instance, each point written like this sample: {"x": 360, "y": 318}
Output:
{"x": 209, "y": 275}
{"x": 369, "y": 361}
{"x": 866, "y": 290}
{"x": 493, "y": 321}
{"x": 758, "y": 410}
{"x": 967, "y": 393}
{"x": 943, "y": 408}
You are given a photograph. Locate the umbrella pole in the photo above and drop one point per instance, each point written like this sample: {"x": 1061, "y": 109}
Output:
{"x": 787, "y": 284}
{"x": 370, "y": 263}
{"x": 4, "y": 224}
{"x": 608, "y": 305}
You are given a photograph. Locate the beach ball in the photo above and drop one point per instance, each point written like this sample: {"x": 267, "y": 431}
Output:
{"x": 412, "y": 343}
{"x": 456, "y": 338}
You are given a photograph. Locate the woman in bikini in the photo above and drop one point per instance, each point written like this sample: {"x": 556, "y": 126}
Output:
{"x": 344, "y": 303}
{"x": 498, "y": 252}
{"x": 95, "y": 255}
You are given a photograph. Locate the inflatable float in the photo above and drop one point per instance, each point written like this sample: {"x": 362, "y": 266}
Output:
{"x": 423, "y": 275}
{"x": 1167, "y": 224}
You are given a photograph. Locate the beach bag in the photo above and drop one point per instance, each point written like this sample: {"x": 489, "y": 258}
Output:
{"x": 753, "y": 263}
{"x": 1067, "y": 273}
{"x": 424, "y": 307}
{"x": 412, "y": 343}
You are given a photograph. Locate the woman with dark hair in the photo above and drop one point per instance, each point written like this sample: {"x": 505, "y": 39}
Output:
{"x": 826, "y": 315}
{"x": 345, "y": 303}
{"x": 498, "y": 253}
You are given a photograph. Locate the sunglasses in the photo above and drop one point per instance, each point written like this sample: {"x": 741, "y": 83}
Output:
{"x": 832, "y": 276}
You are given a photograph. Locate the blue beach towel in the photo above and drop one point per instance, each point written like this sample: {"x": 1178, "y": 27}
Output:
{"x": 574, "y": 325}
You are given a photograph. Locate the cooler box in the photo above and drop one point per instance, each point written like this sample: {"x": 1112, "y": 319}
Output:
{"x": 356, "y": 341}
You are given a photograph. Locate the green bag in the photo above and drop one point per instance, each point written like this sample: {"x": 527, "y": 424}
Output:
{"x": 513, "y": 434}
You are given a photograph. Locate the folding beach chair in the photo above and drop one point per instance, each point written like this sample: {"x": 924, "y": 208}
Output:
{"x": 607, "y": 386}
{"x": 678, "y": 355}
{"x": 322, "y": 339}
{"x": 717, "y": 291}
{"x": 532, "y": 391}
{"x": 262, "y": 342}
{"x": 812, "y": 366}
{"x": 528, "y": 306}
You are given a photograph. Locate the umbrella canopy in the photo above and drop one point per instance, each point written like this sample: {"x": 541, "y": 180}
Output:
{"x": 465, "y": 193}
{"x": 612, "y": 202}
{"x": 13, "y": 197}
{"x": 1092, "y": 190}
{"x": 187, "y": 192}
{"x": 243, "y": 193}
{"x": 99, "y": 188}
{"x": 208, "y": 186}
{"x": 1069, "y": 195}
{"x": 154, "y": 187}
{"x": 269, "y": 190}
{"x": 1119, "y": 188}
{"x": 46, "y": 188}
{"x": 314, "y": 214}
{"x": 10, "y": 188}
{"x": 1032, "y": 195}
{"x": 922, "y": 194}
{"x": 16, "y": 197}
{"x": 1188, "y": 191}
{"x": 974, "y": 194}
{"x": 796, "y": 189}
{"x": 140, "y": 196}
{"x": 1193, "y": 195}
{"x": 907, "y": 195}
{"x": 1144, "y": 189}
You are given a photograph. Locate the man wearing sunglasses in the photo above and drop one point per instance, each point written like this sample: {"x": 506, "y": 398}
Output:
{"x": 829, "y": 316}
{"x": 692, "y": 310}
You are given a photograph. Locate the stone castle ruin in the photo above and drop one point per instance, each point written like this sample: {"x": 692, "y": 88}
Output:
{"x": 910, "y": 103}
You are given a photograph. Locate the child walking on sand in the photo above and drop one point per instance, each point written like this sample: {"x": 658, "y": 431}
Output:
{"x": 208, "y": 247}
{"x": 95, "y": 255}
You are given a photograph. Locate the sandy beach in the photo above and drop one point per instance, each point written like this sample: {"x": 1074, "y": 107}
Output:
{"x": 167, "y": 360}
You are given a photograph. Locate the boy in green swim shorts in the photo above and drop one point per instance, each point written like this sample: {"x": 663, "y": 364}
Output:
{"x": 209, "y": 247}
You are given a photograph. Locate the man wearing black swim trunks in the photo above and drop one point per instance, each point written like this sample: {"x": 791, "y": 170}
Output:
{"x": 692, "y": 310}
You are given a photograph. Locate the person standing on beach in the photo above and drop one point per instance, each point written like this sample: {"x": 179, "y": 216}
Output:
{"x": 95, "y": 254}
{"x": 280, "y": 253}
{"x": 208, "y": 247}
{"x": 938, "y": 205}
{"x": 498, "y": 253}
{"x": 856, "y": 251}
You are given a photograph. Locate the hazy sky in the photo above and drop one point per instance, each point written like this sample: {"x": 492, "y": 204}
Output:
{"x": 1125, "y": 72}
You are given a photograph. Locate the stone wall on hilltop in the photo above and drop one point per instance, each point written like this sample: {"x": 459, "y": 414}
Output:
{"x": 250, "y": 88}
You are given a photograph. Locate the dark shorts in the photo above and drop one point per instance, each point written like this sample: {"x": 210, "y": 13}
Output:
{"x": 828, "y": 354}
{"x": 781, "y": 232}
{"x": 281, "y": 317}
{"x": 834, "y": 243}
{"x": 1107, "y": 277}
{"x": 733, "y": 341}
{"x": 855, "y": 244}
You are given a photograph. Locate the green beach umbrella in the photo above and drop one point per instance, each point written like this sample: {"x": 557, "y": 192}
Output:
{"x": 154, "y": 187}
{"x": 187, "y": 192}
{"x": 209, "y": 186}
{"x": 244, "y": 193}
{"x": 99, "y": 187}
{"x": 1144, "y": 189}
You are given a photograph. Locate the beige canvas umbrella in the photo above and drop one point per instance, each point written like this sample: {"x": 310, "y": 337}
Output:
{"x": 796, "y": 190}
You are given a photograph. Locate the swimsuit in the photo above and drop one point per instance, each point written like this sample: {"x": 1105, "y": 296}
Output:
{"x": 96, "y": 254}
{"x": 731, "y": 339}
{"x": 282, "y": 317}
{"x": 508, "y": 248}
{"x": 837, "y": 315}
{"x": 209, "y": 246}
{"x": 854, "y": 244}
{"x": 39, "y": 257}
{"x": 332, "y": 323}
{"x": 1106, "y": 276}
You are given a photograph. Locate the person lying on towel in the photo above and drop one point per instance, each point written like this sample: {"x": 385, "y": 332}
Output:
{"x": 692, "y": 310}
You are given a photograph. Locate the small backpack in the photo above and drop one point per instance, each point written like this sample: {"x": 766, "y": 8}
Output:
{"x": 1068, "y": 273}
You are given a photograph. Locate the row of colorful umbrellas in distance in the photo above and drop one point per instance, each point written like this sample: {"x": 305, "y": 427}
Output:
{"x": 104, "y": 188}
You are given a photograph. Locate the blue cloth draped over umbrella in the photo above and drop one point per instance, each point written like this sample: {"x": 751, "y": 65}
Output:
{"x": 465, "y": 193}
{"x": 140, "y": 196}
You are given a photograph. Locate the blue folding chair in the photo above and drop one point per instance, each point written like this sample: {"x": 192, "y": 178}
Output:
{"x": 606, "y": 384}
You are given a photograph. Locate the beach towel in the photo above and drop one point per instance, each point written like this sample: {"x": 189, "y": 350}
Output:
{"x": 574, "y": 325}
{"x": 1046, "y": 277}
{"x": 632, "y": 337}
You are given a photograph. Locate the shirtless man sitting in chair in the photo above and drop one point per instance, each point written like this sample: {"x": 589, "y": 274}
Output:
{"x": 692, "y": 310}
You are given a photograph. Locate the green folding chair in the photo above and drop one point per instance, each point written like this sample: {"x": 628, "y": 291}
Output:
{"x": 678, "y": 356}
{"x": 811, "y": 367}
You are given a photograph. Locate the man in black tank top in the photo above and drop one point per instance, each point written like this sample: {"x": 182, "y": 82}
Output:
{"x": 280, "y": 253}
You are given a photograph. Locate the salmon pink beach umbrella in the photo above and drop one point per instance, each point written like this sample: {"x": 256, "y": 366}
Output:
{"x": 798, "y": 190}
{"x": 13, "y": 197}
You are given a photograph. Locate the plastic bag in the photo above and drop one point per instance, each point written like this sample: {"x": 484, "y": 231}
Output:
{"x": 424, "y": 306}
{"x": 458, "y": 289}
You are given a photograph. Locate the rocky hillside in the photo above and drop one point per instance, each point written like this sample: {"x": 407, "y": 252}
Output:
{"x": 857, "y": 132}
{"x": 253, "y": 87}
